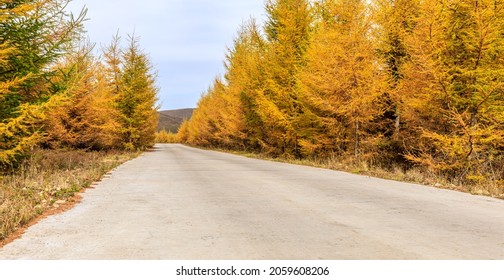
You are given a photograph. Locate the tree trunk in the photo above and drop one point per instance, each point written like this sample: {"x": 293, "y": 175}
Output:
{"x": 397, "y": 126}
{"x": 356, "y": 151}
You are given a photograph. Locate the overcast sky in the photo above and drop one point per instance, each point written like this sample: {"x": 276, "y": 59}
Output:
{"x": 186, "y": 40}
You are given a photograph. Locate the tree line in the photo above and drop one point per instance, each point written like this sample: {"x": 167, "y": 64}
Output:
{"x": 55, "y": 92}
{"x": 408, "y": 83}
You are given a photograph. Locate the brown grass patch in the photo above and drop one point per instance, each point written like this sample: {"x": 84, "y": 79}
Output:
{"x": 47, "y": 182}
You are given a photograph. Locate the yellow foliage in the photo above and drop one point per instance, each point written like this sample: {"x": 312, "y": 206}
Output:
{"x": 22, "y": 133}
{"x": 34, "y": 34}
{"x": 88, "y": 117}
{"x": 342, "y": 81}
{"x": 136, "y": 98}
{"x": 453, "y": 88}
{"x": 404, "y": 83}
{"x": 166, "y": 137}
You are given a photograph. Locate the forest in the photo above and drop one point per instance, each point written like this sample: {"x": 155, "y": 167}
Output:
{"x": 69, "y": 111}
{"x": 56, "y": 92}
{"x": 394, "y": 84}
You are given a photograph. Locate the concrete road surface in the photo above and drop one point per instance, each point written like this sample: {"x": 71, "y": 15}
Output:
{"x": 178, "y": 202}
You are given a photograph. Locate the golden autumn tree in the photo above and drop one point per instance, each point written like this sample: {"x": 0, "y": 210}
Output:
{"x": 33, "y": 35}
{"x": 136, "y": 99}
{"x": 256, "y": 104}
{"x": 287, "y": 30}
{"x": 228, "y": 114}
{"x": 64, "y": 124}
{"x": 112, "y": 60}
{"x": 183, "y": 132}
{"x": 102, "y": 114}
{"x": 201, "y": 127}
{"x": 455, "y": 88}
{"x": 228, "y": 121}
{"x": 7, "y": 50}
{"x": 341, "y": 81}
{"x": 396, "y": 21}
{"x": 245, "y": 87}
{"x": 87, "y": 118}
{"x": 218, "y": 121}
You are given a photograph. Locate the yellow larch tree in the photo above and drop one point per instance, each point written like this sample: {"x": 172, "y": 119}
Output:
{"x": 341, "y": 82}
{"x": 137, "y": 98}
{"x": 455, "y": 89}
{"x": 244, "y": 79}
{"x": 205, "y": 124}
{"x": 33, "y": 35}
{"x": 87, "y": 118}
{"x": 287, "y": 32}
{"x": 396, "y": 20}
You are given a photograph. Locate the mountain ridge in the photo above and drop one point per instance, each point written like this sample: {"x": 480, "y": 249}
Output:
{"x": 170, "y": 120}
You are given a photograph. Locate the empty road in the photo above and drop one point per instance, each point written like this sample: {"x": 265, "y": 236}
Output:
{"x": 177, "y": 202}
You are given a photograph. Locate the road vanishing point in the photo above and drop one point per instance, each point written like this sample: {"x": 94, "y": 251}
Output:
{"x": 182, "y": 203}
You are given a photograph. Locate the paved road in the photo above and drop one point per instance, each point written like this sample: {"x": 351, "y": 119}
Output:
{"x": 178, "y": 202}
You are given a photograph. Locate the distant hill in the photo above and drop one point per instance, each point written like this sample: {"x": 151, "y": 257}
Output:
{"x": 170, "y": 120}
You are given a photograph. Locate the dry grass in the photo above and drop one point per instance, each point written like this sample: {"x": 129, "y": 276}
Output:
{"x": 412, "y": 175}
{"x": 47, "y": 179}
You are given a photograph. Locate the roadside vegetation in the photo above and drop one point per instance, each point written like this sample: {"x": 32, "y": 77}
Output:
{"x": 48, "y": 180}
{"x": 404, "y": 86}
{"x": 411, "y": 175}
{"x": 67, "y": 114}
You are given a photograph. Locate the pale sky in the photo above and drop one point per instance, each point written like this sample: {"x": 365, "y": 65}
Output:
{"x": 186, "y": 40}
